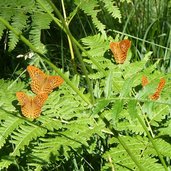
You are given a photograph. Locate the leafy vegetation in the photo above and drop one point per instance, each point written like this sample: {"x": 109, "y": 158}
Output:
{"x": 101, "y": 118}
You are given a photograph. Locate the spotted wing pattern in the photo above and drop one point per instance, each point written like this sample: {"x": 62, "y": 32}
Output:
{"x": 120, "y": 49}
{"x": 31, "y": 106}
{"x": 157, "y": 93}
{"x": 42, "y": 83}
{"x": 144, "y": 81}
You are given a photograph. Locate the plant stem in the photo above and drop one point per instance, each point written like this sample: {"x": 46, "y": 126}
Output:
{"x": 71, "y": 37}
{"x": 115, "y": 133}
{"x": 69, "y": 40}
{"x": 29, "y": 44}
{"x": 153, "y": 143}
{"x": 74, "y": 41}
{"x": 67, "y": 80}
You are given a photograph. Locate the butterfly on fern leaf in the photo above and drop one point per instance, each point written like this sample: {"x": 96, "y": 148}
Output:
{"x": 42, "y": 83}
{"x": 120, "y": 49}
{"x": 31, "y": 106}
{"x": 159, "y": 88}
{"x": 144, "y": 81}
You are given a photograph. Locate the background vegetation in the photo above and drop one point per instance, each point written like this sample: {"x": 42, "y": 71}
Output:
{"x": 101, "y": 118}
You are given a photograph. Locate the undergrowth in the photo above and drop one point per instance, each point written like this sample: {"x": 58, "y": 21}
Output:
{"x": 101, "y": 118}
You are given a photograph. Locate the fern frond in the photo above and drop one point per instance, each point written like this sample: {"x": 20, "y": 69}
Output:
{"x": 126, "y": 123}
{"x": 5, "y": 162}
{"x": 7, "y": 127}
{"x": 40, "y": 21}
{"x": 18, "y": 15}
{"x": 137, "y": 145}
{"x": 23, "y": 135}
{"x": 92, "y": 10}
{"x": 163, "y": 147}
{"x": 2, "y": 28}
{"x": 112, "y": 9}
{"x": 7, "y": 13}
{"x": 44, "y": 6}
{"x": 97, "y": 45}
{"x": 158, "y": 113}
{"x": 165, "y": 131}
{"x": 98, "y": 24}
{"x": 7, "y": 94}
{"x": 18, "y": 23}
{"x": 59, "y": 104}
{"x": 75, "y": 134}
{"x": 35, "y": 38}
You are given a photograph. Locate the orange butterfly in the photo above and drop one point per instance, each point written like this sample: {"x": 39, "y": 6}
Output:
{"x": 120, "y": 49}
{"x": 160, "y": 86}
{"x": 155, "y": 96}
{"x": 42, "y": 83}
{"x": 31, "y": 106}
{"x": 144, "y": 81}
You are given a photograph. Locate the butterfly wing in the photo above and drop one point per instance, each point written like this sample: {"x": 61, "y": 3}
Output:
{"x": 155, "y": 96}
{"x": 22, "y": 98}
{"x": 40, "y": 99}
{"x": 125, "y": 45}
{"x": 161, "y": 84}
{"x": 55, "y": 81}
{"x": 42, "y": 83}
{"x": 114, "y": 46}
{"x": 25, "y": 102}
{"x": 144, "y": 81}
{"x": 36, "y": 106}
{"x": 35, "y": 73}
{"x": 38, "y": 79}
{"x": 31, "y": 107}
{"x": 50, "y": 83}
{"x": 120, "y": 49}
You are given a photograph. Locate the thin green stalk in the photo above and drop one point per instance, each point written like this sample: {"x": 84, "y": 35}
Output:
{"x": 70, "y": 35}
{"x": 86, "y": 75}
{"x": 79, "y": 57}
{"x": 18, "y": 34}
{"x": 69, "y": 40}
{"x": 153, "y": 143}
{"x": 74, "y": 41}
{"x": 29, "y": 44}
{"x": 121, "y": 141}
{"x": 67, "y": 80}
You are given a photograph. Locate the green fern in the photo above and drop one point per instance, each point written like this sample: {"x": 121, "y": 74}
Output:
{"x": 115, "y": 128}
{"x": 19, "y": 14}
{"x": 113, "y": 10}
{"x": 57, "y": 115}
{"x": 120, "y": 159}
{"x": 19, "y": 23}
{"x": 7, "y": 128}
{"x": 96, "y": 44}
{"x": 68, "y": 124}
{"x": 93, "y": 9}
{"x": 22, "y": 136}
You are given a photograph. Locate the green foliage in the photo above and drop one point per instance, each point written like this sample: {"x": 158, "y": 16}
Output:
{"x": 123, "y": 129}
{"x": 93, "y": 9}
{"x": 145, "y": 21}
{"x": 19, "y": 14}
{"x": 127, "y": 100}
{"x": 67, "y": 125}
